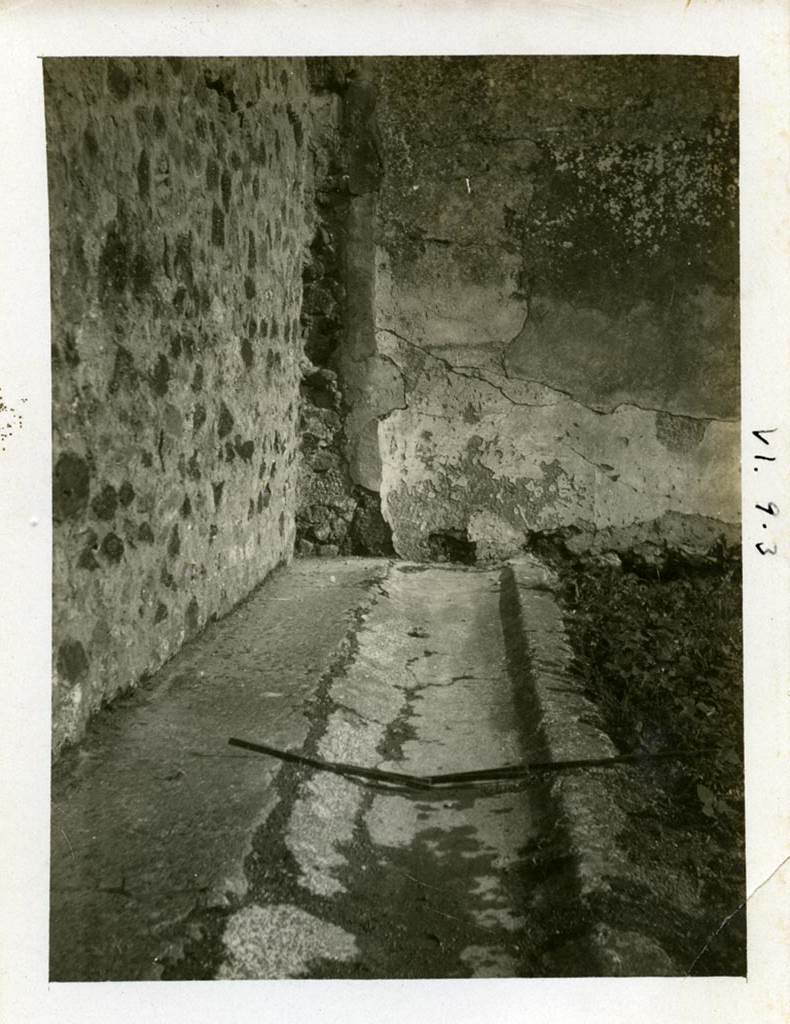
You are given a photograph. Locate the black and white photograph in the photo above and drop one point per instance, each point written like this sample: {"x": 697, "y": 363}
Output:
{"x": 395, "y": 426}
{"x": 402, "y": 510}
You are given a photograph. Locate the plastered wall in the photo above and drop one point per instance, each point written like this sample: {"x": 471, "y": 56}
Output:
{"x": 555, "y": 299}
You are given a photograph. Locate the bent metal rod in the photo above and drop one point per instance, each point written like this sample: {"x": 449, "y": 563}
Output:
{"x": 454, "y": 779}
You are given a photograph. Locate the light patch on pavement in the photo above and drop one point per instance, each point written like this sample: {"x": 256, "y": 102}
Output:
{"x": 489, "y": 962}
{"x": 499, "y": 917}
{"x": 321, "y": 821}
{"x": 395, "y": 821}
{"x": 280, "y": 941}
{"x": 369, "y": 695}
{"x": 350, "y": 739}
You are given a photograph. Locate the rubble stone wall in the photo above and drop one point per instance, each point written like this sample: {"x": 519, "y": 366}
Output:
{"x": 180, "y": 208}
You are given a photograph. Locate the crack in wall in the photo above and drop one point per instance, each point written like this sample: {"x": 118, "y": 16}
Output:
{"x": 567, "y": 395}
{"x": 458, "y": 371}
{"x": 448, "y": 271}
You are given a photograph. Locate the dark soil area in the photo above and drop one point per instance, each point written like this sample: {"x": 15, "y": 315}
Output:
{"x": 660, "y": 653}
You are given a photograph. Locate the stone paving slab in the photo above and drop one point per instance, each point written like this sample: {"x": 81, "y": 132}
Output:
{"x": 421, "y": 885}
{"x": 153, "y": 813}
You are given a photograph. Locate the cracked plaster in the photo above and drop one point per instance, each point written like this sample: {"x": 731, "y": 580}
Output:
{"x": 465, "y": 454}
{"x": 558, "y": 288}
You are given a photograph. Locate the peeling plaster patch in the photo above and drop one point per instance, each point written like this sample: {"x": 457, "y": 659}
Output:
{"x": 608, "y": 461}
{"x": 280, "y": 941}
{"x": 679, "y": 433}
{"x": 493, "y": 536}
{"x": 535, "y": 467}
{"x": 461, "y": 490}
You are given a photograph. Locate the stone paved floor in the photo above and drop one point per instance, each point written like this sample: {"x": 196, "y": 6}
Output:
{"x": 153, "y": 813}
{"x": 176, "y": 856}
